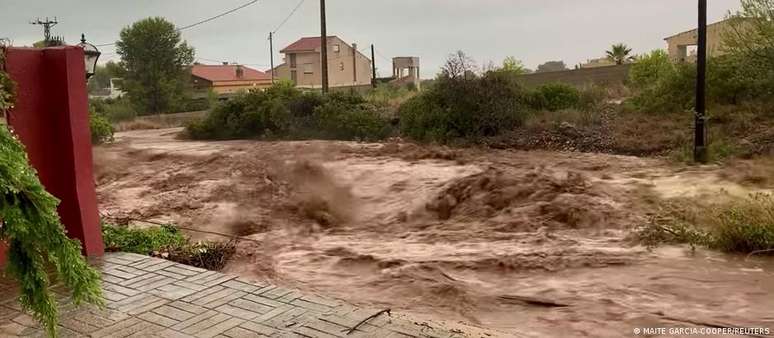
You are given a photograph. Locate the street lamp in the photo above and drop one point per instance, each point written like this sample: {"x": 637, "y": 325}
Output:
{"x": 91, "y": 55}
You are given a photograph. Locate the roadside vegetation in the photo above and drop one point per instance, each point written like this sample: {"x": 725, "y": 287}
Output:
{"x": 284, "y": 112}
{"x": 170, "y": 243}
{"x": 744, "y": 226}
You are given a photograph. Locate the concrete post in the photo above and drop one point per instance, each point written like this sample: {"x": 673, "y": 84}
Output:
{"x": 51, "y": 119}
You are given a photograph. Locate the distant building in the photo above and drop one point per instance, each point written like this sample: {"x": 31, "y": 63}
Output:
{"x": 682, "y": 46}
{"x": 405, "y": 70}
{"x": 347, "y": 67}
{"x": 600, "y": 62}
{"x": 228, "y": 79}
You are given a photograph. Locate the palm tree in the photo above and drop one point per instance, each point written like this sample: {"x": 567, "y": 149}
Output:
{"x": 619, "y": 53}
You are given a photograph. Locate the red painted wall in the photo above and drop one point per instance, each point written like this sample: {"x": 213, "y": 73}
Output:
{"x": 51, "y": 118}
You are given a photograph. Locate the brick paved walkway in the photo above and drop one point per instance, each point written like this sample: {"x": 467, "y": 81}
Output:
{"x": 150, "y": 297}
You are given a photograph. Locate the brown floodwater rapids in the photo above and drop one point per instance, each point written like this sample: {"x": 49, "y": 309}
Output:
{"x": 497, "y": 243}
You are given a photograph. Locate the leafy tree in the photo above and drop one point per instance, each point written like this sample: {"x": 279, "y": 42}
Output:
{"x": 514, "y": 65}
{"x": 619, "y": 53}
{"x": 459, "y": 66}
{"x": 551, "y": 66}
{"x": 155, "y": 61}
{"x": 750, "y": 44}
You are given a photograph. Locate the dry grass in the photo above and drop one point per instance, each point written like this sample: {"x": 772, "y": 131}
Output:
{"x": 739, "y": 226}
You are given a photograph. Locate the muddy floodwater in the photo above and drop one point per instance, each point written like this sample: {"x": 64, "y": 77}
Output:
{"x": 500, "y": 243}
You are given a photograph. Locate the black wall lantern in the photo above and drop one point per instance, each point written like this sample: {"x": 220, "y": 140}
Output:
{"x": 91, "y": 55}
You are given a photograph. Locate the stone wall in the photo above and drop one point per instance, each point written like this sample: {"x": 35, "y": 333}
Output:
{"x": 610, "y": 75}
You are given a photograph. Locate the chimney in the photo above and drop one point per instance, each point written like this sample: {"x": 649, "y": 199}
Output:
{"x": 240, "y": 72}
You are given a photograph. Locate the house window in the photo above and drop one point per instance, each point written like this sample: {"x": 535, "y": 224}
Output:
{"x": 294, "y": 77}
{"x": 336, "y": 48}
{"x": 308, "y": 68}
{"x": 292, "y": 60}
{"x": 341, "y": 66}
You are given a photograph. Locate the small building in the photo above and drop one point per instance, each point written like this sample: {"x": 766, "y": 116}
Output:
{"x": 682, "y": 46}
{"x": 600, "y": 62}
{"x": 347, "y": 67}
{"x": 227, "y": 78}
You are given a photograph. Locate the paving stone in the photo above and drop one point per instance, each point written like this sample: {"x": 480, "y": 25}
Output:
{"x": 237, "y": 312}
{"x": 195, "y": 309}
{"x": 80, "y": 326}
{"x": 203, "y": 293}
{"x": 251, "y": 306}
{"x": 205, "y": 323}
{"x": 150, "y": 283}
{"x": 175, "y": 276}
{"x": 327, "y": 327}
{"x": 189, "y": 285}
{"x": 173, "y": 313}
{"x": 275, "y": 293}
{"x": 181, "y": 271}
{"x": 310, "y": 306}
{"x": 264, "y": 301}
{"x": 219, "y": 328}
{"x": 260, "y": 329}
{"x": 241, "y": 286}
{"x": 239, "y": 332}
{"x": 138, "y": 304}
{"x": 158, "y": 319}
{"x": 118, "y": 288}
{"x": 310, "y": 332}
{"x": 150, "y": 297}
{"x": 169, "y": 333}
{"x": 126, "y": 328}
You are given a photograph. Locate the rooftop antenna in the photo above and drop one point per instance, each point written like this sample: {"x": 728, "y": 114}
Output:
{"x": 47, "y": 24}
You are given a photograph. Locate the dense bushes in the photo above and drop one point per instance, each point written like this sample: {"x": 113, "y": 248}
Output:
{"x": 739, "y": 226}
{"x": 662, "y": 86}
{"x": 115, "y": 110}
{"x": 465, "y": 108}
{"x": 101, "y": 129}
{"x": 555, "y": 96}
{"x": 285, "y": 112}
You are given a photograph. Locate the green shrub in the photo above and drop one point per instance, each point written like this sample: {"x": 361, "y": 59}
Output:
{"x": 555, "y": 96}
{"x": 101, "y": 129}
{"x": 141, "y": 241}
{"x": 285, "y": 112}
{"x": 467, "y": 109}
{"x": 745, "y": 226}
{"x": 169, "y": 243}
{"x": 115, "y": 110}
{"x": 740, "y": 226}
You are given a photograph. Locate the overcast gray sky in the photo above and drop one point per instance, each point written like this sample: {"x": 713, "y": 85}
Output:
{"x": 532, "y": 30}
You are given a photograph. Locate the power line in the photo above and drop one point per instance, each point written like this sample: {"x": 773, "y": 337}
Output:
{"x": 201, "y": 22}
{"x": 289, "y": 16}
{"x": 217, "y": 16}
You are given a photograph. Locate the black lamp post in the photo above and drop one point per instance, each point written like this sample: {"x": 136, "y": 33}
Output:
{"x": 700, "y": 130}
{"x": 91, "y": 55}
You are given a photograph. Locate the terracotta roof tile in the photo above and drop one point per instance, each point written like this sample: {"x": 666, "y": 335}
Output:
{"x": 227, "y": 73}
{"x": 304, "y": 44}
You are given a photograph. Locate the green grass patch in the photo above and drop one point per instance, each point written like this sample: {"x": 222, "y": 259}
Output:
{"x": 170, "y": 243}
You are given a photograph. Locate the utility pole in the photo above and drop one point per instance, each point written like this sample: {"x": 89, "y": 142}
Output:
{"x": 46, "y": 26}
{"x": 323, "y": 47}
{"x": 373, "y": 66}
{"x": 700, "y": 137}
{"x": 271, "y": 54}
